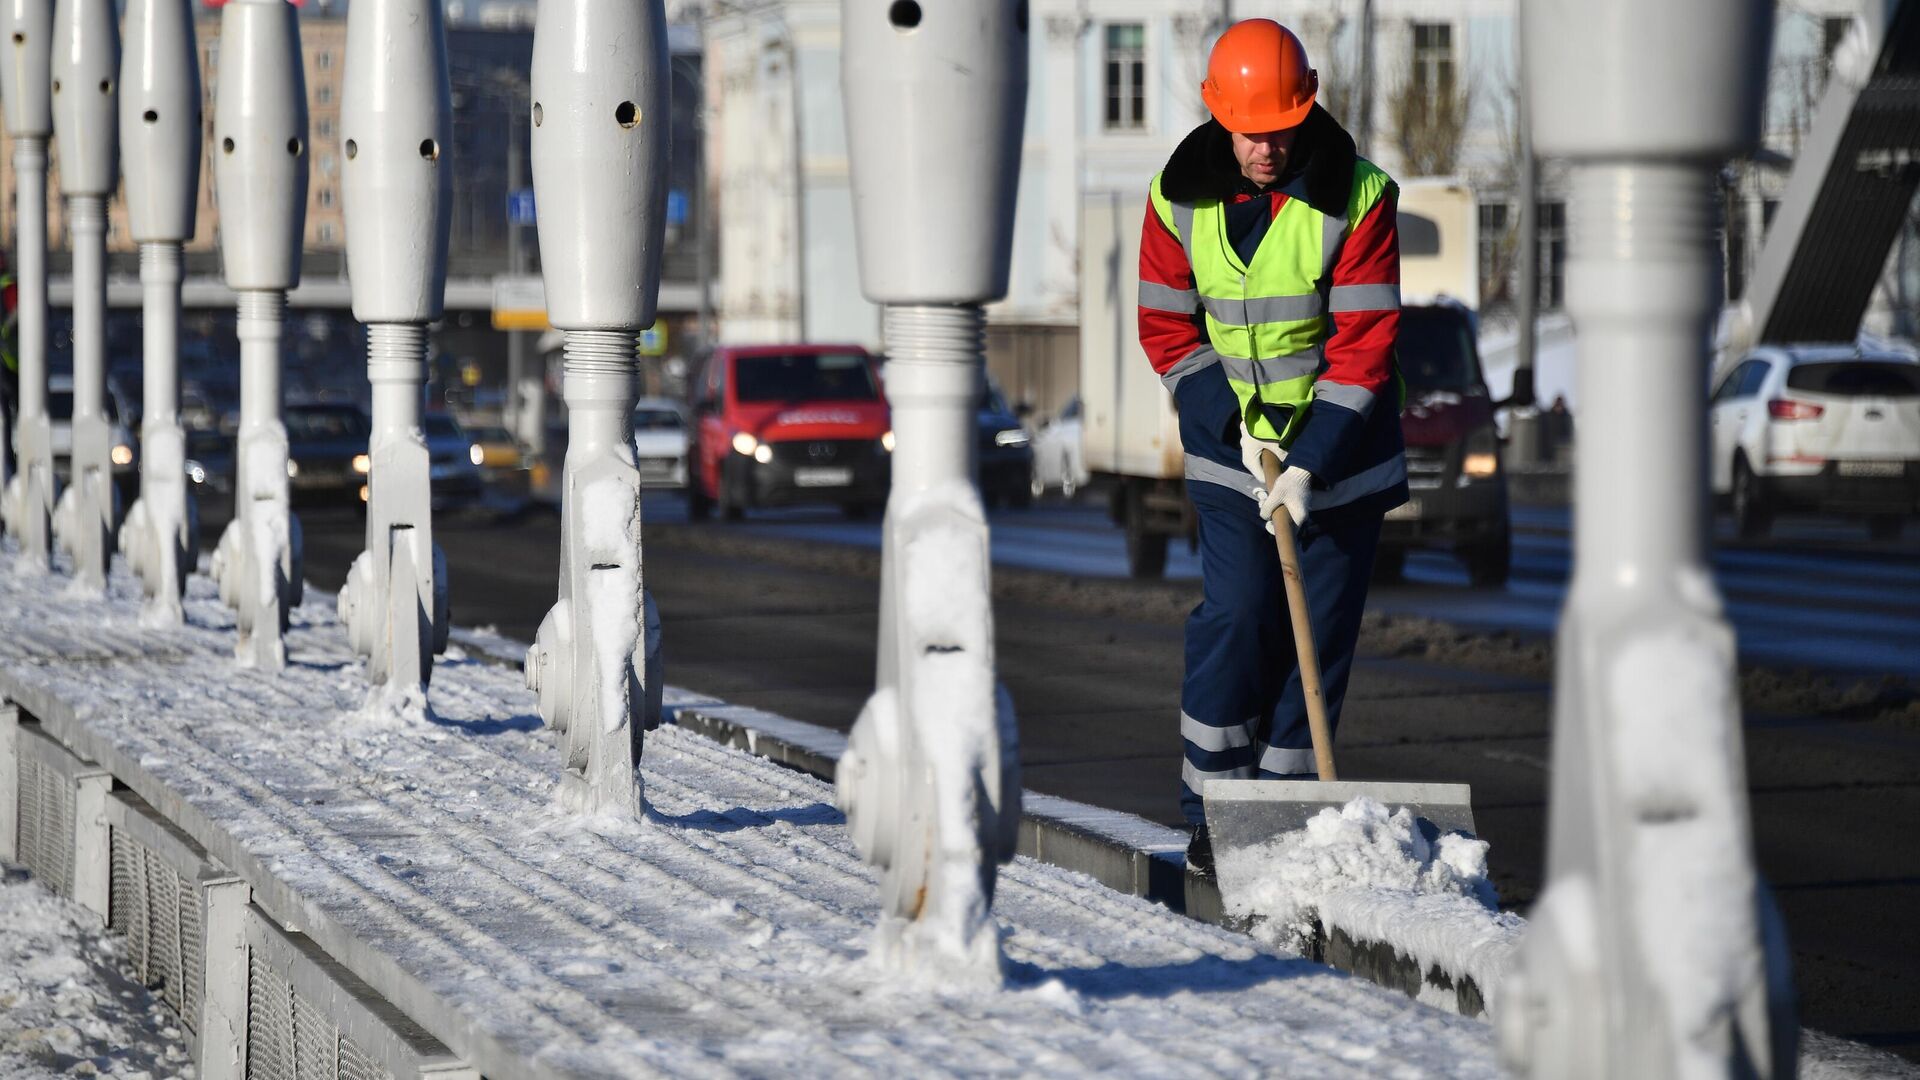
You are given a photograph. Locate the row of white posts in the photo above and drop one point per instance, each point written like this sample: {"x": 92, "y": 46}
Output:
{"x": 1643, "y": 841}
{"x": 932, "y": 784}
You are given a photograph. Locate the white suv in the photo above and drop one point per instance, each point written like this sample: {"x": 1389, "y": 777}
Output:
{"x": 1821, "y": 428}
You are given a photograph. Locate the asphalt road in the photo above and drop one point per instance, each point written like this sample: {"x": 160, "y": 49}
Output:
{"x": 779, "y": 612}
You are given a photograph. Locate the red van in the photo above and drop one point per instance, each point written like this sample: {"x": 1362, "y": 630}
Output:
{"x": 779, "y": 425}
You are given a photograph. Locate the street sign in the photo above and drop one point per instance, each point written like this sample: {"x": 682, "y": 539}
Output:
{"x": 653, "y": 340}
{"x": 520, "y": 207}
{"x": 519, "y": 302}
{"x": 676, "y": 208}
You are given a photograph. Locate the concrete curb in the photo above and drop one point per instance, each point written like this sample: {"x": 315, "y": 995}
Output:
{"x": 1122, "y": 851}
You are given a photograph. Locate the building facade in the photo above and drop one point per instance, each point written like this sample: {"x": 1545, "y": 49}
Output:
{"x": 1114, "y": 85}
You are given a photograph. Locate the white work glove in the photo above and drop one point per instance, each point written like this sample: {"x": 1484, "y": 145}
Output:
{"x": 1289, "y": 489}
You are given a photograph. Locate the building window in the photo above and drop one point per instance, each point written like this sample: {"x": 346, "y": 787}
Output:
{"x": 326, "y": 233}
{"x": 1736, "y": 249}
{"x": 326, "y": 165}
{"x": 326, "y": 196}
{"x": 324, "y": 60}
{"x": 1496, "y": 246}
{"x": 324, "y": 94}
{"x": 1832, "y": 32}
{"x": 1552, "y": 221}
{"x": 1126, "y": 77}
{"x": 1433, "y": 60}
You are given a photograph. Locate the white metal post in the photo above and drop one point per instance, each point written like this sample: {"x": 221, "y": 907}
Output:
{"x": 160, "y": 137}
{"x": 930, "y": 781}
{"x": 25, "y": 71}
{"x": 221, "y": 1040}
{"x": 1652, "y": 951}
{"x": 260, "y": 173}
{"x": 396, "y": 124}
{"x": 85, "y": 71}
{"x": 599, "y": 152}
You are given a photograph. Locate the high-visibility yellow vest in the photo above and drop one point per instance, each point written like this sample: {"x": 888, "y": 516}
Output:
{"x": 1268, "y": 321}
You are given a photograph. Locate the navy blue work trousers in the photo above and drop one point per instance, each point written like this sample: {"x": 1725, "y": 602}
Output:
{"x": 1242, "y": 710}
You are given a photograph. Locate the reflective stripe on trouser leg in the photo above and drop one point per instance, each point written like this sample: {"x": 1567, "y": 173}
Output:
{"x": 1336, "y": 564}
{"x": 1238, "y": 656}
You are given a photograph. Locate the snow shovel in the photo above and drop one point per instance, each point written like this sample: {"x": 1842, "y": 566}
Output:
{"x": 1247, "y": 813}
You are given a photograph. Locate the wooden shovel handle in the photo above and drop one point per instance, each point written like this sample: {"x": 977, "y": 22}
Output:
{"x": 1302, "y": 627}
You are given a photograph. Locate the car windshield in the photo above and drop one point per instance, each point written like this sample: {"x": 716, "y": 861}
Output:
{"x": 497, "y": 435}
{"x": 656, "y": 420}
{"x": 1435, "y": 351}
{"x": 804, "y": 377}
{"x": 441, "y": 426}
{"x": 316, "y": 424}
{"x": 1857, "y": 378}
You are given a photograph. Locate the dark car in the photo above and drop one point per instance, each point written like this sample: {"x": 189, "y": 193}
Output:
{"x": 210, "y": 468}
{"x": 1005, "y": 450}
{"x": 1458, "y": 488}
{"x": 326, "y": 452}
{"x": 453, "y": 462}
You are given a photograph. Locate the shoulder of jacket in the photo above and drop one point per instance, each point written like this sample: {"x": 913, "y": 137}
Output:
{"x": 1370, "y": 184}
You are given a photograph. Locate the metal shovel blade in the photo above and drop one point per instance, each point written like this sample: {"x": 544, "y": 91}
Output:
{"x": 1247, "y": 813}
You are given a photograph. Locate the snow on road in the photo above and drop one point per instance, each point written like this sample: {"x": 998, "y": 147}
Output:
{"x": 69, "y": 1004}
{"x": 726, "y": 932}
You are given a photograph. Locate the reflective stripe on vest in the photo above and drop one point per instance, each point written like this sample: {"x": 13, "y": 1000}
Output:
{"x": 1267, "y": 319}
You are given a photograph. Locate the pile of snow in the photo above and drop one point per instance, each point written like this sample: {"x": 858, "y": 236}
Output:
{"x": 68, "y": 1005}
{"x": 1289, "y": 880}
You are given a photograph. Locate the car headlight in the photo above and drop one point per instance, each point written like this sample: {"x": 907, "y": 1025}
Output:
{"x": 1482, "y": 458}
{"x": 886, "y": 441}
{"x": 475, "y": 454}
{"x": 196, "y": 472}
{"x": 293, "y": 468}
{"x": 1012, "y": 437}
{"x": 745, "y": 444}
{"x": 122, "y": 454}
{"x": 763, "y": 453}
{"x": 364, "y": 493}
{"x": 362, "y": 464}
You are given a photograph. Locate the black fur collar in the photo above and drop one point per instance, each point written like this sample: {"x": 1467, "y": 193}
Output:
{"x": 1202, "y": 167}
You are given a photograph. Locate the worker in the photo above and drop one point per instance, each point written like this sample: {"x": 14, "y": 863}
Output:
{"x": 1269, "y": 305}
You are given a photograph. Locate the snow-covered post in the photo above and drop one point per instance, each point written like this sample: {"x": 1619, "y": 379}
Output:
{"x": 930, "y": 782}
{"x": 260, "y": 173}
{"x": 395, "y": 121}
{"x": 160, "y": 134}
{"x": 86, "y": 69}
{"x": 599, "y": 176}
{"x": 1652, "y": 951}
{"x": 26, "y": 27}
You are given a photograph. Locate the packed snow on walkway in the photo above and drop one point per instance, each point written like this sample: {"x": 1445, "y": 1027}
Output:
{"x": 1371, "y": 872}
{"x": 69, "y": 1005}
{"x": 728, "y": 931}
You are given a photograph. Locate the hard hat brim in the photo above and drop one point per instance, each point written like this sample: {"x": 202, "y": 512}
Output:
{"x": 1256, "y": 123}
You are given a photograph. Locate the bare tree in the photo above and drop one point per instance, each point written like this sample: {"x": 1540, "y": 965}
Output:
{"x": 1428, "y": 126}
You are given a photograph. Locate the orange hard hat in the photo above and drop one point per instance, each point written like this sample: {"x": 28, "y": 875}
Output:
{"x": 1258, "y": 79}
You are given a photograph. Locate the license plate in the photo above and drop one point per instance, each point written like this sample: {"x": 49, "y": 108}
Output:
{"x": 1871, "y": 468}
{"x": 1406, "y": 511}
{"x": 814, "y": 478}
